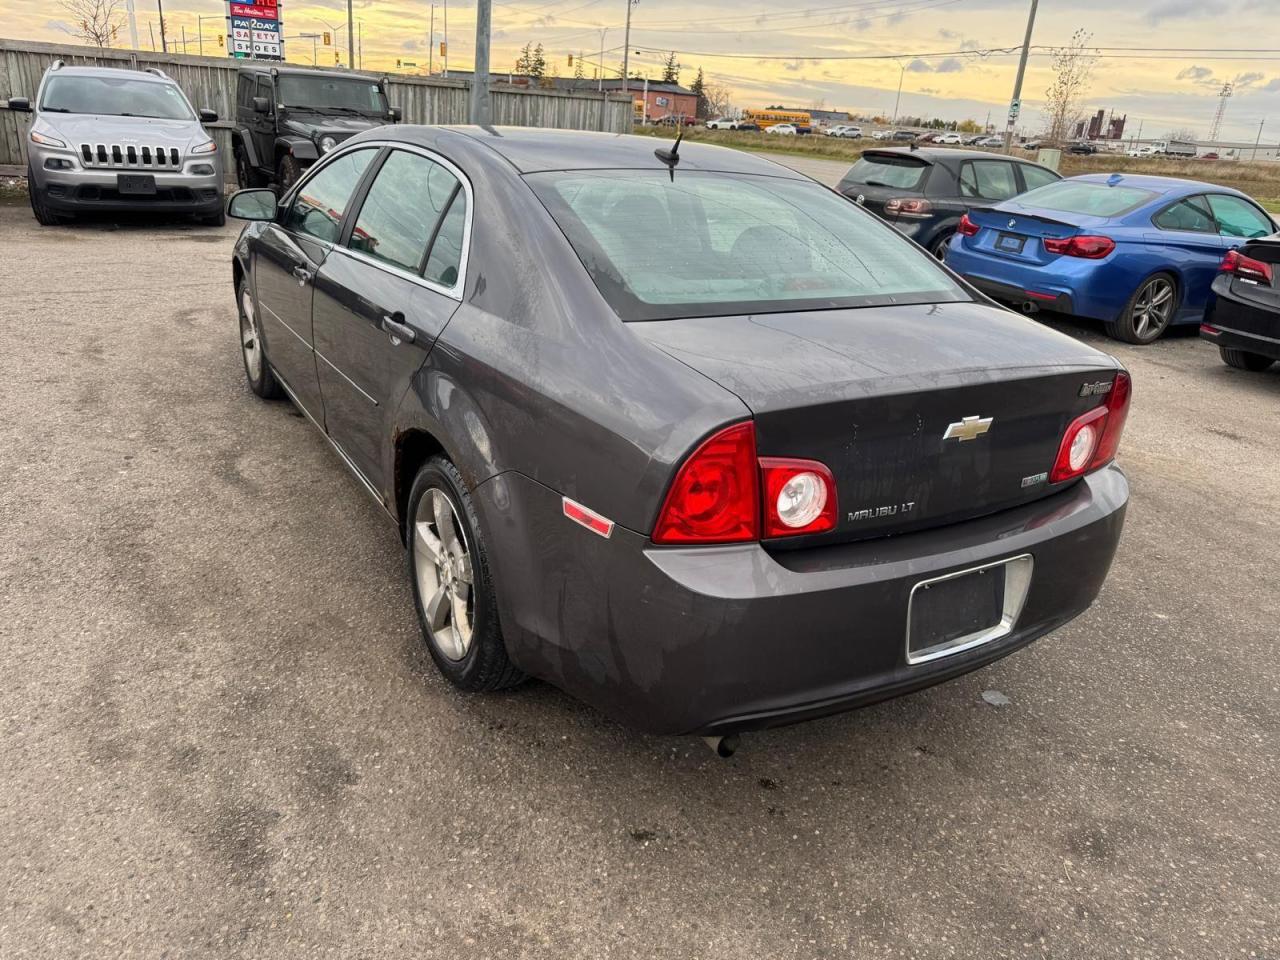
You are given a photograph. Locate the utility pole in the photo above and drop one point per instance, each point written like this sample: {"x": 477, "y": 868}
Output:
{"x": 133, "y": 24}
{"x": 184, "y": 38}
{"x": 164, "y": 44}
{"x": 626, "y": 51}
{"x": 898, "y": 101}
{"x": 480, "y": 75}
{"x": 1258, "y": 142}
{"x": 446, "y": 38}
{"x": 603, "y": 31}
{"x": 152, "y": 30}
{"x": 431, "y": 44}
{"x": 1015, "y": 105}
{"x": 361, "y": 47}
{"x": 351, "y": 38}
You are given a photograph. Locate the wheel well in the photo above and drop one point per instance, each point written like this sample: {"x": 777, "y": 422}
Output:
{"x": 413, "y": 449}
{"x": 237, "y": 273}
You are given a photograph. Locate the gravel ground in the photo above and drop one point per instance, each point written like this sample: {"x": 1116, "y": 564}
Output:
{"x": 220, "y": 737}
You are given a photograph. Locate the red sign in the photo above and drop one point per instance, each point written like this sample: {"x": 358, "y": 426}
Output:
{"x": 261, "y": 10}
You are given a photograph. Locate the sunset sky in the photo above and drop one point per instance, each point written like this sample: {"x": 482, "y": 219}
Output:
{"x": 941, "y": 42}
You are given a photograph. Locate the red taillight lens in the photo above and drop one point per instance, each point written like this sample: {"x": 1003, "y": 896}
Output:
{"x": 799, "y": 497}
{"x": 1092, "y": 439}
{"x": 966, "y": 227}
{"x": 715, "y": 497}
{"x": 909, "y": 207}
{"x": 1087, "y": 248}
{"x": 1246, "y": 267}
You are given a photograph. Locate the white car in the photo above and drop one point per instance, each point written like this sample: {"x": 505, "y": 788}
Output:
{"x": 722, "y": 123}
{"x": 836, "y": 131}
{"x": 990, "y": 142}
{"x": 1141, "y": 152}
{"x": 949, "y": 138}
{"x": 882, "y": 135}
{"x": 852, "y": 132}
{"x": 786, "y": 129}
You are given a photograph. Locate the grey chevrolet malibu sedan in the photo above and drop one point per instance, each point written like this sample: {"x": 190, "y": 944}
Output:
{"x": 679, "y": 431}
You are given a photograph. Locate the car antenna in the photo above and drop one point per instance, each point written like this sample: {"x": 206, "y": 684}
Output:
{"x": 671, "y": 157}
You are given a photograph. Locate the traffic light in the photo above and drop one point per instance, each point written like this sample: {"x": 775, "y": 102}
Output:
{"x": 444, "y": 49}
{"x": 336, "y": 59}
{"x": 328, "y": 39}
{"x": 397, "y": 63}
{"x": 571, "y": 59}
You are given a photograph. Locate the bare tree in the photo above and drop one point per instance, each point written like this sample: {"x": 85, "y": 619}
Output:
{"x": 95, "y": 22}
{"x": 1072, "y": 73}
{"x": 718, "y": 99}
{"x": 1182, "y": 133}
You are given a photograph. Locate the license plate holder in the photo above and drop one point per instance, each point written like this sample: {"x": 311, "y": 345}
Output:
{"x": 1010, "y": 243}
{"x": 136, "y": 184}
{"x": 965, "y": 609}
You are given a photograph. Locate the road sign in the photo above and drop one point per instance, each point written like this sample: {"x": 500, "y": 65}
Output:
{"x": 1015, "y": 108}
{"x": 328, "y": 39}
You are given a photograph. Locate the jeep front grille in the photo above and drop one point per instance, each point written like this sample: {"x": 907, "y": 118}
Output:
{"x": 115, "y": 155}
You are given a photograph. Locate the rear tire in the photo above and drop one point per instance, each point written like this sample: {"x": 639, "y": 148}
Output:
{"x": 1149, "y": 311}
{"x": 257, "y": 370}
{"x": 288, "y": 172}
{"x": 39, "y": 208}
{"x": 940, "y": 245}
{"x": 1244, "y": 360}
{"x": 453, "y": 590}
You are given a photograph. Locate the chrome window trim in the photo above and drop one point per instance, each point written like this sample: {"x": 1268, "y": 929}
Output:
{"x": 1017, "y": 586}
{"x": 454, "y": 292}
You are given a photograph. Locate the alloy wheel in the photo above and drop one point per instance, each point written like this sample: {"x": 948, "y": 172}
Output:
{"x": 250, "y": 342}
{"x": 442, "y": 564}
{"x": 1152, "y": 309}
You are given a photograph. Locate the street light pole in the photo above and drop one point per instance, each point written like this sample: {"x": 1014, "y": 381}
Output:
{"x": 164, "y": 44}
{"x": 898, "y": 102}
{"x": 603, "y": 31}
{"x": 133, "y": 24}
{"x": 431, "y": 44}
{"x": 351, "y": 38}
{"x": 1015, "y": 105}
{"x": 480, "y": 75}
{"x": 626, "y": 51}
{"x": 1258, "y": 142}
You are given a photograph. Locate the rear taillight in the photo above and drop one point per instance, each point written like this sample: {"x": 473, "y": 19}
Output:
{"x": 1087, "y": 248}
{"x": 1092, "y": 439}
{"x": 909, "y": 207}
{"x": 966, "y": 227}
{"x": 799, "y": 497}
{"x": 723, "y": 493}
{"x": 1246, "y": 268}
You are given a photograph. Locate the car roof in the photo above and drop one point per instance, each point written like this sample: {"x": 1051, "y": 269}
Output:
{"x": 1161, "y": 185}
{"x": 110, "y": 71}
{"x": 534, "y": 149}
{"x": 934, "y": 154}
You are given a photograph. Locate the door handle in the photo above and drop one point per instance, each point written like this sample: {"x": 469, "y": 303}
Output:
{"x": 302, "y": 275}
{"x": 398, "y": 330}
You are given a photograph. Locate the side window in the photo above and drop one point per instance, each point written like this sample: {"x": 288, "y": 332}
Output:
{"x": 1239, "y": 218}
{"x": 317, "y": 207}
{"x": 401, "y": 211}
{"x": 995, "y": 179}
{"x": 1187, "y": 215}
{"x": 264, "y": 89}
{"x": 968, "y": 180}
{"x": 446, "y": 252}
{"x": 244, "y": 91}
{"x": 1035, "y": 176}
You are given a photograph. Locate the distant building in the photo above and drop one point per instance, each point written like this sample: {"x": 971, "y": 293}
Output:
{"x": 1100, "y": 127}
{"x": 663, "y": 99}
{"x": 823, "y": 117}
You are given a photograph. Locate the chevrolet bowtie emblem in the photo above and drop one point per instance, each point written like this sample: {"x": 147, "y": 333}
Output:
{"x": 970, "y": 428}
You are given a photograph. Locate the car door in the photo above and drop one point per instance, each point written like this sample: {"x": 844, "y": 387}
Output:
{"x": 383, "y": 297}
{"x": 287, "y": 255}
{"x": 1188, "y": 242}
{"x": 264, "y": 124}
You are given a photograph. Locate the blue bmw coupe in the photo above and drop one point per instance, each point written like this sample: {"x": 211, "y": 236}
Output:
{"x": 1138, "y": 253}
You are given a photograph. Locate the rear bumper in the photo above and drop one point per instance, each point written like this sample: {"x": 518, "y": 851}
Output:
{"x": 717, "y": 639}
{"x": 1007, "y": 293}
{"x": 1086, "y": 288}
{"x": 1241, "y": 326}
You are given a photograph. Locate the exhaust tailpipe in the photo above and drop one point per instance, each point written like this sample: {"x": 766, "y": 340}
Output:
{"x": 723, "y": 746}
{"x": 1030, "y": 309}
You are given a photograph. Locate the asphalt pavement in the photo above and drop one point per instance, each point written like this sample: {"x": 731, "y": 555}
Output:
{"x": 220, "y": 736}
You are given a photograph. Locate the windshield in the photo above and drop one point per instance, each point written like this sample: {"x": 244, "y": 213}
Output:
{"x": 719, "y": 244}
{"x": 340, "y": 95}
{"x": 888, "y": 170}
{"x": 116, "y": 97}
{"x": 1086, "y": 197}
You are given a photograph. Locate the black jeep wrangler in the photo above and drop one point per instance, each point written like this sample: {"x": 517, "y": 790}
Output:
{"x": 287, "y": 119}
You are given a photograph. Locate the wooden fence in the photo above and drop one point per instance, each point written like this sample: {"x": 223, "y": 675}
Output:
{"x": 211, "y": 82}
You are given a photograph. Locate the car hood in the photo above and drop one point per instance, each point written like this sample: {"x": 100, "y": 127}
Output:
{"x": 78, "y": 128}
{"x": 321, "y": 126}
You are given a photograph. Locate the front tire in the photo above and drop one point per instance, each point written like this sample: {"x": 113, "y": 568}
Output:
{"x": 39, "y": 208}
{"x": 257, "y": 370}
{"x": 453, "y": 590}
{"x": 288, "y": 172}
{"x": 1244, "y": 360}
{"x": 1149, "y": 311}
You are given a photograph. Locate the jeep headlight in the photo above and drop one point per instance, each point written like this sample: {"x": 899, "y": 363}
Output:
{"x": 45, "y": 140}
{"x": 208, "y": 146}
{"x": 327, "y": 144}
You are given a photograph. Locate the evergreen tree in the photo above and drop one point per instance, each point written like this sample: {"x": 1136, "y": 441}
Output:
{"x": 524, "y": 62}
{"x": 578, "y": 73}
{"x": 671, "y": 69}
{"x": 538, "y": 65}
{"x": 699, "y": 87}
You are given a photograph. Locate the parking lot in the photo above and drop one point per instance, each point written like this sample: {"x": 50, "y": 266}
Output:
{"x": 223, "y": 738}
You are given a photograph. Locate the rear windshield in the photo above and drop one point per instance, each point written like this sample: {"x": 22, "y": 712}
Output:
{"x": 1087, "y": 197}
{"x": 719, "y": 244}
{"x": 115, "y": 97}
{"x": 887, "y": 170}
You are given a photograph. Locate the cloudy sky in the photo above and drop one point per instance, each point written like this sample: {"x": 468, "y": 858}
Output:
{"x": 950, "y": 51}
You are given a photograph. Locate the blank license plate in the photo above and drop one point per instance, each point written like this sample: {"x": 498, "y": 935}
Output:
{"x": 136, "y": 184}
{"x": 958, "y": 611}
{"x": 1010, "y": 243}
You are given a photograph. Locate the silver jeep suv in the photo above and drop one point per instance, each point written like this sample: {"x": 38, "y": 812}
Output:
{"x": 105, "y": 139}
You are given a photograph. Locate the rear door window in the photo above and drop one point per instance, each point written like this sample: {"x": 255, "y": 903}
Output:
{"x": 1190, "y": 215}
{"x": 402, "y": 209}
{"x": 320, "y": 200}
{"x": 988, "y": 179}
{"x": 888, "y": 170}
{"x": 1034, "y": 176}
{"x": 1239, "y": 218}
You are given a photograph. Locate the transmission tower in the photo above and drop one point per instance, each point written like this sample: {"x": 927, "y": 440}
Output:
{"x": 1227, "y": 89}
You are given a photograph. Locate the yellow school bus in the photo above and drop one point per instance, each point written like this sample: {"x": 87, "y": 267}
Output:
{"x": 767, "y": 118}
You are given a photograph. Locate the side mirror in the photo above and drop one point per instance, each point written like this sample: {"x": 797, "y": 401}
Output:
{"x": 259, "y": 204}
{"x": 208, "y": 116}
{"x": 18, "y": 104}
{"x": 395, "y": 114}
{"x": 261, "y": 105}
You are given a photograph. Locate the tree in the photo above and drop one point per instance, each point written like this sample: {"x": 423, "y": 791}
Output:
{"x": 1072, "y": 72}
{"x": 1182, "y": 133}
{"x": 717, "y": 99}
{"x": 524, "y": 62}
{"x": 671, "y": 69}
{"x": 94, "y": 21}
{"x": 699, "y": 88}
{"x": 538, "y": 63}
{"x": 578, "y": 71}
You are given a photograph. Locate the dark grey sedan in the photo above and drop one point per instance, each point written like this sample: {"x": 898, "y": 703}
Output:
{"x": 687, "y": 435}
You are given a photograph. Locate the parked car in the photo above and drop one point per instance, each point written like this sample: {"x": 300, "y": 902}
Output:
{"x": 1082, "y": 149}
{"x": 1138, "y": 253}
{"x": 1032, "y": 145}
{"x": 783, "y": 129}
{"x": 722, "y": 123}
{"x": 286, "y": 119}
{"x": 989, "y": 142}
{"x": 1243, "y": 318}
{"x": 850, "y": 132}
{"x": 924, "y": 192}
{"x": 1145, "y": 151}
{"x": 746, "y": 126}
{"x": 903, "y": 135}
{"x": 948, "y": 138}
{"x": 926, "y": 138}
{"x": 882, "y": 135}
{"x": 1208, "y": 156}
{"x": 104, "y": 139}
{"x": 974, "y": 140}
{"x": 678, "y": 493}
